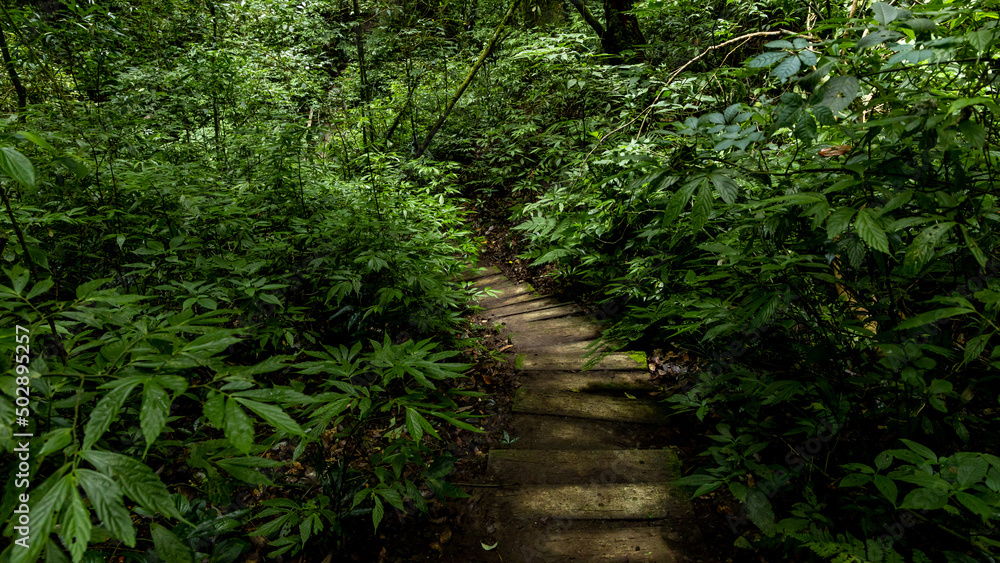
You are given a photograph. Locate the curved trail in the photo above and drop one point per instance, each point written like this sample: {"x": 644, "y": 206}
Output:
{"x": 578, "y": 485}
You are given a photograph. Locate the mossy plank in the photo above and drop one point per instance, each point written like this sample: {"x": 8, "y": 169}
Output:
{"x": 585, "y": 405}
{"x": 634, "y": 501}
{"x": 580, "y": 466}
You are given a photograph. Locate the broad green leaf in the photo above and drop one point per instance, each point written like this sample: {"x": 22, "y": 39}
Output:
{"x": 786, "y": 68}
{"x": 779, "y": 44}
{"x": 921, "y": 24}
{"x": 805, "y": 127}
{"x": 921, "y": 250}
{"x": 877, "y": 38}
{"x": 40, "y": 288}
{"x": 975, "y": 346}
{"x": 106, "y": 498}
{"x": 377, "y": 512}
{"x": 273, "y": 415}
{"x": 824, "y": 115}
{"x": 34, "y": 138}
{"x": 922, "y": 450}
{"x": 215, "y": 409}
{"x": 971, "y": 470}
{"x": 17, "y": 166}
{"x": 807, "y": 57}
{"x": 973, "y": 132}
{"x": 933, "y": 316}
{"x": 925, "y": 499}
{"x": 238, "y": 427}
{"x": 78, "y": 169}
{"x": 870, "y": 231}
{"x": 759, "y": 510}
{"x": 107, "y": 410}
{"x": 725, "y": 185}
{"x": 413, "y": 424}
{"x": 884, "y": 13}
{"x": 136, "y": 479}
{"x": 981, "y": 39}
{"x": 855, "y": 480}
{"x": 76, "y": 525}
{"x": 767, "y": 59}
{"x": 839, "y": 92}
{"x": 976, "y": 505}
{"x": 168, "y": 546}
{"x": 679, "y": 200}
{"x": 154, "y": 411}
{"x": 246, "y": 474}
{"x": 887, "y": 487}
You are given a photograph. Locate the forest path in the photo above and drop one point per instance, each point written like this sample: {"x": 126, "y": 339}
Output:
{"x": 576, "y": 485}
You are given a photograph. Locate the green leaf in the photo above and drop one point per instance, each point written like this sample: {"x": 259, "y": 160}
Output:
{"x": 824, "y": 115}
{"x": 725, "y": 185}
{"x": 839, "y": 92}
{"x": 921, "y": 250}
{"x": 759, "y": 510}
{"x": 76, "y": 525}
{"x": 877, "y": 38}
{"x": 805, "y": 127}
{"x": 807, "y": 57}
{"x": 884, "y": 13}
{"x": 933, "y": 316}
{"x": 274, "y": 416}
{"x": 973, "y": 132}
{"x": 489, "y": 547}
{"x": 40, "y": 288}
{"x": 779, "y": 44}
{"x": 976, "y": 505}
{"x": 767, "y": 59}
{"x": 377, "y": 512}
{"x": 855, "y": 480}
{"x": 106, "y": 498}
{"x": 923, "y": 451}
{"x": 925, "y": 499}
{"x": 971, "y": 470}
{"x": 215, "y": 409}
{"x": 887, "y": 487}
{"x": 974, "y": 249}
{"x": 34, "y": 138}
{"x": 43, "y": 519}
{"x": 679, "y": 200}
{"x": 238, "y": 427}
{"x": 981, "y": 39}
{"x": 975, "y": 346}
{"x": 17, "y": 167}
{"x": 838, "y": 221}
{"x": 78, "y": 169}
{"x": 168, "y": 546}
{"x": 870, "y": 231}
{"x": 787, "y": 68}
{"x": 413, "y": 424}
{"x": 136, "y": 479}
{"x": 154, "y": 411}
{"x": 702, "y": 208}
{"x": 106, "y": 411}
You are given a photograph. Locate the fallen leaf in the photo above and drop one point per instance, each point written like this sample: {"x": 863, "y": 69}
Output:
{"x": 835, "y": 150}
{"x": 444, "y": 536}
{"x": 489, "y": 547}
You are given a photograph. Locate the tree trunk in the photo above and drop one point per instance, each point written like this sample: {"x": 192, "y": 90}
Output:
{"x": 468, "y": 80}
{"x": 8, "y": 63}
{"x": 622, "y": 32}
{"x": 588, "y": 17}
{"x": 542, "y": 12}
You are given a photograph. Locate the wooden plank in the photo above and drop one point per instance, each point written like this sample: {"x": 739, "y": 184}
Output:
{"x": 538, "y": 303}
{"x": 584, "y": 405}
{"x": 614, "y": 541}
{"x": 542, "y": 333}
{"x": 594, "y": 381}
{"x": 581, "y": 466}
{"x": 539, "y": 431}
{"x": 529, "y": 315}
{"x": 536, "y": 359}
{"x": 634, "y": 501}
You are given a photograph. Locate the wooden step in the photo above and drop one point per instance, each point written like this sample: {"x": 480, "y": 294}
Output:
{"x": 525, "y": 314}
{"x": 607, "y": 382}
{"x": 585, "y": 405}
{"x": 539, "y": 359}
{"x": 637, "y": 501}
{"x": 566, "y": 329}
{"x": 539, "y": 303}
{"x": 531, "y": 467}
{"x": 540, "y": 431}
{"x": 598, "y": 542}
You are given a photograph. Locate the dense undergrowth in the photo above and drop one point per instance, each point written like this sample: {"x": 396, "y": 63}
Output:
{"x": 239, "y": 286}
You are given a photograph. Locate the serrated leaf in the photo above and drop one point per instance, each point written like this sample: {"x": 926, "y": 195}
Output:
{"x": 805, "y": 127}
{"x": 785, "y": 114}
{"x": 786, "y": 68}
{"x": 377, "y": 512}
{"x": 43, "y": 519}
{"x": 679, "y": 200}
{"x": 884, "y": 13}
{"x": 76, "y": 525}
{"x": 725, "y": 185}
{"x": 106, "y": 498}
{"x": 136, "y": 479}
{"x": 921, "y": 250}
{"x": 17, "y": 166}
{"x": 839, "y": 92}
{"x": 168, "y": 546}
{"x": 807, "y": 57}
{"x": 933, "y": 316}
{"x": 274, "y": 416}
{"x": 870, "y": 231}
{"x": 154, "y": 411}
{"x": 767, "y": 59}
{"x": 106, "y": 411}
{"x": 702, "y": 209}
{"x": 238, "y": 427}
{"x": 215, "y": 409}
{"x": 824, "y": 115}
